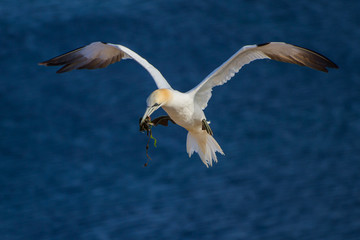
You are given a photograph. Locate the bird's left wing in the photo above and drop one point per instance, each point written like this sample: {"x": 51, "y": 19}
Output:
{"x": 274, "y": 50}
{"x": 100, "y": 55}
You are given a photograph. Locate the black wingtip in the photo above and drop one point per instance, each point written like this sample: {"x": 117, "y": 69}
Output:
{"x": 329, "y": 63}
{"x": 48, "y": 63}
{"x": 262, "y": 44}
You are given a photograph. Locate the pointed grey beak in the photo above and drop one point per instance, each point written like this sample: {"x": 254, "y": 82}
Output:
{"x": 149, "y": 111}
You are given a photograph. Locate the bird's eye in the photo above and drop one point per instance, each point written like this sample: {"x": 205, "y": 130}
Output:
{"x": 156, "y": 105}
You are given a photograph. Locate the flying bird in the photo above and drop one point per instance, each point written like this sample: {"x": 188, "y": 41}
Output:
{"x": 186, "y": 108}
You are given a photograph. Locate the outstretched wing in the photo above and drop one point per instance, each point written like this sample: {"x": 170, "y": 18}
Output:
{"x": 278, "y": 51}
{"x": 100, "y": 55}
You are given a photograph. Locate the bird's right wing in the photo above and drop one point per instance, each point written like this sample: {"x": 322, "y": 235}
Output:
{"x": 100, "y": 55}
{"x": 278, "y": 51}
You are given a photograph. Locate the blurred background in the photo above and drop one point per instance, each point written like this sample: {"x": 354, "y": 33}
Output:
{"x": 72, "y": 156}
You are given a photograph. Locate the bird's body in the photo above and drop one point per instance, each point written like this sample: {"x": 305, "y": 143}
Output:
{"x": 186, "y": 109}
{"x": 182, "y": 108}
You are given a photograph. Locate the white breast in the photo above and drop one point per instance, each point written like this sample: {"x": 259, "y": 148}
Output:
{"x": 182, "y": 110}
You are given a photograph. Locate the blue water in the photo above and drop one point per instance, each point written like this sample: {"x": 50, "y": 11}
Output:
{"x": 71, "y": 155}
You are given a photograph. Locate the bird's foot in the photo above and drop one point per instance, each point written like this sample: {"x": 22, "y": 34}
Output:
{"x": 162, "y": 120}
{"x": 206, "y": 127}
{"x": 147, "y": 124}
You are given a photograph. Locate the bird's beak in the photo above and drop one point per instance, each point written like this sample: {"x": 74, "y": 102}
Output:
{"x": 149, "y": 111}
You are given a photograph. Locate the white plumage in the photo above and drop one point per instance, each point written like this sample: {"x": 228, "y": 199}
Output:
{"x": 186, "y": 109}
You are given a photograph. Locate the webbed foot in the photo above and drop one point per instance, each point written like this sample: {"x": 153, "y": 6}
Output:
{"x": 162, "y": 120}
{"x": 206, "y": 127}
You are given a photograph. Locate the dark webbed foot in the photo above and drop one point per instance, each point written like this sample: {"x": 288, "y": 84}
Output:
{"x": 206, "y": 127}
{"x": 162, "y": 120}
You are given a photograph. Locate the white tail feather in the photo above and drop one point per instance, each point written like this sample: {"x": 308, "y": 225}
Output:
{"x": 205, "y": 145}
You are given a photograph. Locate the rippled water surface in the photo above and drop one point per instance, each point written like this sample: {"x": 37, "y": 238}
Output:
{"x": 71, "y": 155}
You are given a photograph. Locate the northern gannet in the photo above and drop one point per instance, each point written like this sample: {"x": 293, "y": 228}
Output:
{"x": 186, "y": 108}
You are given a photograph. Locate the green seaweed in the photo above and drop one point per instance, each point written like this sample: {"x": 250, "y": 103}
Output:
{"x": 147, "y": 125}
{"x": 155, "y": 141}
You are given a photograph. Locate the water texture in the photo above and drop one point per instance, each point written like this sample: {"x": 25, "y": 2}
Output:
{"x": 71, "y": 155}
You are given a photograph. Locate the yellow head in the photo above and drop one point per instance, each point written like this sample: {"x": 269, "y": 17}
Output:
{"x": 156, "y": 99}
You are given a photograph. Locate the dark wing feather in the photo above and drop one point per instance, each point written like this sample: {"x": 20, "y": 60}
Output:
{"x": 278, "y": 51}
{"x": 100, "y": 55}
{"x": 93, "y": 56}
{"x": 297, "y": 55}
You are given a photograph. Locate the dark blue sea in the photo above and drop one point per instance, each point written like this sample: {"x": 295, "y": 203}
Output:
{"x": 72, "y": 157}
